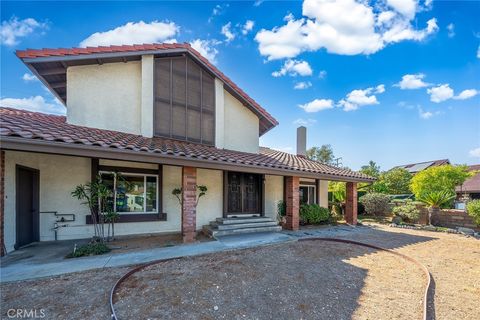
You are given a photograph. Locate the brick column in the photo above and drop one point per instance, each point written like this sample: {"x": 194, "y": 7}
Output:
{"x": 2, "y": 202}
{"x": 292, "y": 201}
{"x": 189, "y": 198}
{"x": 351, "y": 207}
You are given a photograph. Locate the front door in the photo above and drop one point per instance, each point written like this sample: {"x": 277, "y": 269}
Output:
{"x": 243, "y": 192}
{"x": 27, "y": 221}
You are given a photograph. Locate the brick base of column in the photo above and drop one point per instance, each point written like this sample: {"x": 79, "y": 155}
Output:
{"x": 292, "y": 202}
{"x": 189, "y": 198}
{"x": 351, "y": 206}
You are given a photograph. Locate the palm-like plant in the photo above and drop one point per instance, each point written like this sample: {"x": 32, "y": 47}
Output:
{"x": 434, "y": 200}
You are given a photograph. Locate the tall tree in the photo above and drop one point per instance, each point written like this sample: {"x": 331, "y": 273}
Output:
{"x": 324, "y": 154}
{"x": 371, "y": 169}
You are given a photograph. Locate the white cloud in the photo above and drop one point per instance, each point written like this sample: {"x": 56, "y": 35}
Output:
{"x": 302, "y": 85}
{"x": 134, "y": 33}
{"x": 258, "y": 2}
{"x": 304, "y": 122}
{"x": 206, "y": 48}
{"x": 440, "y": 93}
{"x": 475, "y": 152}
{"x": 217, "y": 10}
{"x": 451, "y": 30}
{"x": 427, "y": 114}
{"x": 346, "y": 27}
{"x": 317, "y": 105}
{"x": 466, "y": 94}
{"x": 478, "y": 52}
{"x": 412, "y": 81}
{"x": 322, "y": 74}
{"x": 247, "y": 27}
{"x": 294, "y": 68}
{"x": 358, "y": 98}
{"x": 227, "y": 32}
{"x": 28, "y": 77}
{"x": 34, "y": 103}
{"x": 14, "y": 29}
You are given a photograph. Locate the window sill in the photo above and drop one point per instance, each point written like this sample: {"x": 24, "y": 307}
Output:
{"x": 135, "y": 217}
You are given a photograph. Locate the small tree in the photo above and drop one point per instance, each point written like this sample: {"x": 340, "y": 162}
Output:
{"x": 339, "y": 193}
{"x": 200, "y": 189}
{"x": 434, "y": 200}
{"x": 323, "y": 154}
{"x": 396, "y": 181}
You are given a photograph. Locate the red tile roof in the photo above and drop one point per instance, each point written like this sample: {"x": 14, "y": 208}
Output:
{"x": 40, "y": 126}
{"x": 41, "y": 53}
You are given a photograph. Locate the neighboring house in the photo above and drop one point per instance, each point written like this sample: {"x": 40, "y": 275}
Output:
{"x": 164, "y": 117}
{"x": 470, "y": 189}
{"x": 413, "y": 168}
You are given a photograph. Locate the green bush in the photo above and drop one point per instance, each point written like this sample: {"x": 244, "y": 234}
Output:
{"x": 313, "y": 214}
{"x": 281, "y": 208}
{"x": 375, "y": 203}
{"x": 90, "y": 249}
{"x": 473, "y": 209}
{"x": 407, "y": 211}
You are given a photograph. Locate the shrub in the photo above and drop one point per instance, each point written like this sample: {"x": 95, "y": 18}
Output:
{"x": 90, "y": 249}
{"x": 281, "y": 208}
{"x": 313, "y": 213}
{"x": 473, "y": 209}
{"x": 407, "y": 211}
{"x": 375, "y": 203}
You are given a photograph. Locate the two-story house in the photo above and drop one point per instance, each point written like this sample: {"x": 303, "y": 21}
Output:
{"x": 163, "y": 117}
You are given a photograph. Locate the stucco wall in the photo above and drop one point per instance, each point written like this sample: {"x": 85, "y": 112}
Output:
{"x": 241, "y": 126}
{"x": 60, "y": 174}
{"x": 323, "y": 194}
{"x": 273, "y": 194}
{"x": 107, "y": 96}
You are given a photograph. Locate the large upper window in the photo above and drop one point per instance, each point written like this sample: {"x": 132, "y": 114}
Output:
{"x": 184, "y": 100}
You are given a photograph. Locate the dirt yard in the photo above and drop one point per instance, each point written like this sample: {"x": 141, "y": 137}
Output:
{"x": 304, "y": 280}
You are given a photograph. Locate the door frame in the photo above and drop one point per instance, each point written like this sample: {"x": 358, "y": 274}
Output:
{"x": 261, "y": 190}
{"x": 35, "y": 202}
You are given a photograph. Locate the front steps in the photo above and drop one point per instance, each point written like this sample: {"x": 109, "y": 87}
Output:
{"x": 233, "y": 226}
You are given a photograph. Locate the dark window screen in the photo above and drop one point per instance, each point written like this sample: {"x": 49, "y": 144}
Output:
{"x": 184, "y": 100}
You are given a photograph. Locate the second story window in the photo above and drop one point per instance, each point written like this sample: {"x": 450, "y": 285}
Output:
{"x": 184, "y": 101}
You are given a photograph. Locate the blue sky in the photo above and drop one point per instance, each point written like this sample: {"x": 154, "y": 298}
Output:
{"x": 390, "y": 81}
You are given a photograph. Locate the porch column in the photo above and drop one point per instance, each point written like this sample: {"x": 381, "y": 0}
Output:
{"x": 292, "y": 201}
{"x": 2, "y": 202}
{"x": 351, "y": 207}
{"x": 189, "y": 198}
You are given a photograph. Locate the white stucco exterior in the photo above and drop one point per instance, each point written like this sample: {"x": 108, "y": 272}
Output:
{"x": 210, "y": 206}
{"x": 273, "y": 194}
{"x": 219, "y": 114}
{"x": 241, "y": 126}
{"x": 107, "y": 96}
{"x": 323, "y": 194}
{"x": 147, "y": 96}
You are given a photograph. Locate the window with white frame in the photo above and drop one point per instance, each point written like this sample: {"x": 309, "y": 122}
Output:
{"x": 308, "y": 194}
{"x": 132, "y": 192}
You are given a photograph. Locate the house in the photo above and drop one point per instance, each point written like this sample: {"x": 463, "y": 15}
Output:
{"x": 470, "y": 189}
{"x": 164, "y": 117}
{"x": 413, "y": 168}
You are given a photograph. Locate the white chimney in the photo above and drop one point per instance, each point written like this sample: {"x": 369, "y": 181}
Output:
{"x": 301, "y": 141}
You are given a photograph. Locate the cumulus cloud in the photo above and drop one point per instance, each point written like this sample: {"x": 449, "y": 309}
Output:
{"x": 427, "y": 114}
{"x": 304, "y": 122}
{"x": 206, "y": 48}
{"x": 227, "y": 32}
{"x": 346, "y": 27}
{"x": 302, "y": 85}
{"x": 358, "y": 98}
{"x": 14, "y": 29}
{"x": 28, "y": 77}
{"x": 134, "y": 33}
{"x": 34, "y": 103}
{"x": 466, "y": 94}
{"x": 440, "y": 93}
{"x": 451, "y": 30}
{"x": 412, "y": 81}
{"x": 317, "y": 105}
{"x": 475, "y": 152}
{"x": 247, "y": 27}
{"x": 294, "y": 68}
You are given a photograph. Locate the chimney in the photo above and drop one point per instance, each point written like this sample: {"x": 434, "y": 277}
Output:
{"x": 301, "y": 141}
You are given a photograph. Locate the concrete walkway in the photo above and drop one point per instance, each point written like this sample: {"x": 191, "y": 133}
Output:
{"x": 31, "y": 267}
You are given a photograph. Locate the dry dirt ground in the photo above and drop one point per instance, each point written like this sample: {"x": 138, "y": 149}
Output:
{"x": 304, "y": 280}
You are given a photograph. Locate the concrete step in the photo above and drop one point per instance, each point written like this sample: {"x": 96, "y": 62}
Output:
{"x": 231, "y": 226}
{"x": 242, "y": 220}
{"x": 215, "y": 232}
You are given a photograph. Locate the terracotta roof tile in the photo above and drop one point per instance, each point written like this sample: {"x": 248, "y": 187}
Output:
{"x": 34, "y": 125}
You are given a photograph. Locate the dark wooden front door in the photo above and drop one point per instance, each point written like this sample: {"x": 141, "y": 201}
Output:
{"x": 243, "y": 193}
{"x": 27, "y": 205}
